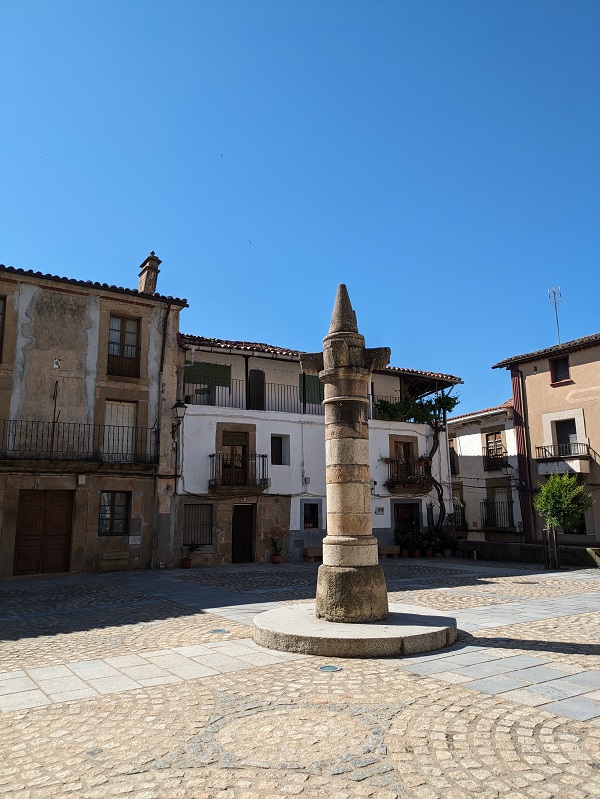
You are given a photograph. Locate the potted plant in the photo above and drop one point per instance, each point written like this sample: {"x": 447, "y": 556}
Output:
{"x": 447, "y": 543}
{"x": 432, "y": 542}
{"x": 404, "y": 538}
{"x": 276, "y": 550}
{"x": 419, "y": 543}
{"x": 186, "y": 554}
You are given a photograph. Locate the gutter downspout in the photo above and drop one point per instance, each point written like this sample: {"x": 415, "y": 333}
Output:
{"x": 522, "y": 454}
{"x": 160, "y": 403}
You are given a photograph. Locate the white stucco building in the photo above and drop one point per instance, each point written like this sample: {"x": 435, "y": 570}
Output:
{"x": 251, "y": 453}
{"x": 483, "y": 456}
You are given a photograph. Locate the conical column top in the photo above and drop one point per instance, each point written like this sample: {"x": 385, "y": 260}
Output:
{"x": 343, "y": 318}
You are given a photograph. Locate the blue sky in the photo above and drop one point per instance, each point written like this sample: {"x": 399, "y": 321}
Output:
{"x": 440, "y": 158}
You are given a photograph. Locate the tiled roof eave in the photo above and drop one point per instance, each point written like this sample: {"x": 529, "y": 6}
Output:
{"x": 90, "y": 284}
{"x": 268, "y": 349}
{"x": 557, "y": 349}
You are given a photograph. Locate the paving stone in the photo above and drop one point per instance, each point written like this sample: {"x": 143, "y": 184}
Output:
{"x": 423, "y": 734}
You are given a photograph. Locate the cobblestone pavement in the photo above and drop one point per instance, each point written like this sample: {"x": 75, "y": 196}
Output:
{"x": 148, "y": 685}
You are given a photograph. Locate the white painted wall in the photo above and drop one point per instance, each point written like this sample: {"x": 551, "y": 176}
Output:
{"x": 307, "y": 456}
{"x": 469, "y": 443}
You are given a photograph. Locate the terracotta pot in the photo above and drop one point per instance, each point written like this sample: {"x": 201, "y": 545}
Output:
{"x": 417, "y": 553}
{"x": 186, "y": 563}
{"x": 429, "y": 553}
{"x": 275, "y": 558}
{"x": 404, "y": 553}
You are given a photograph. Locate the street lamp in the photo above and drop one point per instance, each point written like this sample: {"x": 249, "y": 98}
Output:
{"x": 178, "y": 411}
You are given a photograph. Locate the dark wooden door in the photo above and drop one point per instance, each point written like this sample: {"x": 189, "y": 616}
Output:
{"x": 406, "y": 515}
{"x": 256, "y": 390}
{"x": 43, "y": 538}
{"x": 242, "y": 533}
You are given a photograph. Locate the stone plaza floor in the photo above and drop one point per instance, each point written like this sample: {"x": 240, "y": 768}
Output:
{"x": 148, "y": 685}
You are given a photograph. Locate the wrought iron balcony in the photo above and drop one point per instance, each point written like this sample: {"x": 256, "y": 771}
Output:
{"x": 124, "y": 365}
{"x": 258, "y": 396}
{"x": 71, "y": 441}
{"x": 557, "y": 451}
{"x": 254, "y": 395}
{"x": 497, "y": 515}
{"x": 412, "y": 476}
{"x": 494, "y": 458}
{"x": 238, "y": 470}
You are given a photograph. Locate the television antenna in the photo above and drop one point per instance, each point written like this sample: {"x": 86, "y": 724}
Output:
{"x": 554, "y": 296}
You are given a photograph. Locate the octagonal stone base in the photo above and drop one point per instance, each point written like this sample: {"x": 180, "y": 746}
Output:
{"x": 295, "y": 628}
{"x": 351, "y": 594}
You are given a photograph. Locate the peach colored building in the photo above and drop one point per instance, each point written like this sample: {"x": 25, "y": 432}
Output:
{"x": 556, "y": 396}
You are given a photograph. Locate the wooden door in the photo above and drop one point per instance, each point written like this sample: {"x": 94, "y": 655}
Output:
{"x": 242, "y": 533}
{"x": 256, "y": 390}
{"x": 407, "y": 516}
{"x": 43, "y": 537}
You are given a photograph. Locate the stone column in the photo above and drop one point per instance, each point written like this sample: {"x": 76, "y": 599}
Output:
{"x": 351, "y": 584}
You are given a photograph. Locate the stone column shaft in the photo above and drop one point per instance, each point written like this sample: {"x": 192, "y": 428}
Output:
{"x": 351, "y": 584}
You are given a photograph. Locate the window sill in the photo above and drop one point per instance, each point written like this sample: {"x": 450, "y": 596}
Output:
{"x": 559, "y": 383}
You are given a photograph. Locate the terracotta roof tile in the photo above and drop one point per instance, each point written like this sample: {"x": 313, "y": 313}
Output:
{"x": 508, "y": 404}
{"x": 90, "y": 284}
{"x": 250, "y": 346}
{"x": 557, "y": 349}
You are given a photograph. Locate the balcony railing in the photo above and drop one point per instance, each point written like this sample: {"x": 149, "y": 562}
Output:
{"x": 124, "y": 365}
{"x": 71, "y": 441}
{"x": 258, "y": 396}
{"x": 238, "y": 470}
{"x": 494, "y": 458}
{"x": 497, "y": 514}
{"x": 413, "y": 475}
{"x": 555, "y": 451}
{"x": 254, "y": 395}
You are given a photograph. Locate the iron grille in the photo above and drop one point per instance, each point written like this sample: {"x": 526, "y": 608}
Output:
{"x": 25, "y": 440}
{"x": 197, "y": 524}
{"x": 241, "y": 469}
{"x": 497, "y": 514}
{"x": 568, "y": 450}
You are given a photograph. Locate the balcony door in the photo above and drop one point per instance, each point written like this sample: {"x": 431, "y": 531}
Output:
{"x": 235, "y": 459}
{"x": 566, "y": 437}
{"x": 256, "y": 390}
{"x": 119, "y": 432}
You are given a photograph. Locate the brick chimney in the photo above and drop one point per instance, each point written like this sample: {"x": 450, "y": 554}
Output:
{"x": 149, "y": 274}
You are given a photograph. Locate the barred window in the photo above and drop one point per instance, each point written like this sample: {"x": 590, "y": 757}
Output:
{"x": 197, "y": 524}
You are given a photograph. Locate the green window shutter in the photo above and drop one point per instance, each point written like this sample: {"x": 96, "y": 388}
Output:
{"x": 208, "y": 374}
{"x": 311, "y": 389}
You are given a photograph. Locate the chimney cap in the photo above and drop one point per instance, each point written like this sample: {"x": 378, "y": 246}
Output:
{"x": 151, "y": 261}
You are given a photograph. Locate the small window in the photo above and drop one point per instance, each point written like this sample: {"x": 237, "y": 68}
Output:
{"x": 197, "y": 524}
{"x": 493, "y": 444}
{"x": 123, "y": 347}
{"x": 559, "y": 369}
{"x": 311, "y": 515}
{"x": 280, "y": 450}
{"x": 114, "y": 513}
{"x": 2, "y": 315}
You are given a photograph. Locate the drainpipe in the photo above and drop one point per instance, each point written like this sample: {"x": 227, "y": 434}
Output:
{"x": 523, "y": 448}
{"x": 160, "y": 404}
